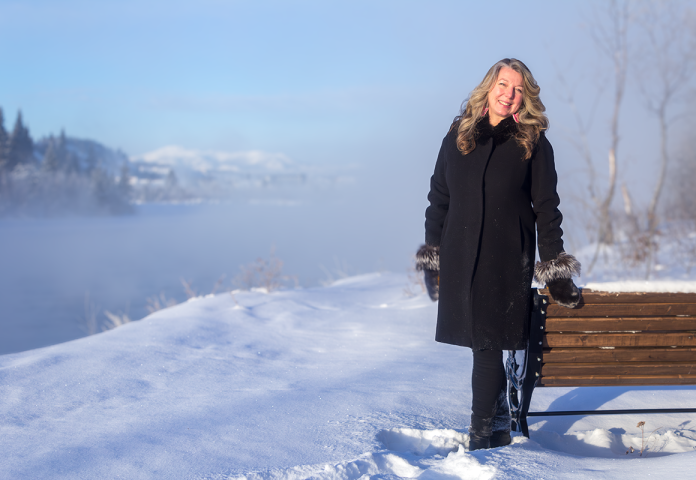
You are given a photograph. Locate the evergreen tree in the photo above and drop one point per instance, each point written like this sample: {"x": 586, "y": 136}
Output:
{"x": 171, "y": 181}
{"x": 71, "y": 163}
{"x": 4, "y": 140}
{"x": 124, "y": 185}
{"x": 92, "y": 160}
{"x": 21, "y": 146}
{"x": 51, "y": 162}
{"x": 102, "y": 189}
{"x": 58, "y": 157}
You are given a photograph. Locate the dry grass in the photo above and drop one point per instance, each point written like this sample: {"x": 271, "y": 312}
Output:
{"x": 159, "y": 302}
{"x": 644, "y": 442}
{"x": 115, "y": 320}
{"x": 266, "y": 273}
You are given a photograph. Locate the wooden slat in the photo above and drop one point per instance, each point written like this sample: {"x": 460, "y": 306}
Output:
{"x": 597, "y": 297}
{"x": 623, "y": 310}
{"x": 562, "y": 355}
{"x": 650, "y": 324}
{"x": 617, "y": 380}
{"x": 619, "y": 340}
{"x": 602, "y": 324}
{"x": 617, "y": 368}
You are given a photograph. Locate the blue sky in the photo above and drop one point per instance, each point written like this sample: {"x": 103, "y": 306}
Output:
{"x": 300, "y": 77}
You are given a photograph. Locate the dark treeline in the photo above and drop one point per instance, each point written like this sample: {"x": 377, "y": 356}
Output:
{"x": 60, "y": 175}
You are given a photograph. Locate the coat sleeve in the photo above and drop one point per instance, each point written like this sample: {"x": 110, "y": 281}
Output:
{"x": 545, "y": 202}
{"x": 439, "y": 198}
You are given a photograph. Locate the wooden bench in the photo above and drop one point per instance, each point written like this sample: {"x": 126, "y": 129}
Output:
{"x": 609, "y": 339}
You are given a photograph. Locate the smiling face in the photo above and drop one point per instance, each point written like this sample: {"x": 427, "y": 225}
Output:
{"x": 505, "y": 98}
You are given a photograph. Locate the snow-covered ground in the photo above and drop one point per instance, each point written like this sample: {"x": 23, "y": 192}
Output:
{"x": 342, "y": 382}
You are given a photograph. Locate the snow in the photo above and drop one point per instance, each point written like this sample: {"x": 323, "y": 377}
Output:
{"x": 206, "y": 161}
{"x": 681, "y": 286}
{"x": 341, "y": 382}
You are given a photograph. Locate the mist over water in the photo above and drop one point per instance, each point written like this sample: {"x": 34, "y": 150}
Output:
{"x": 52, "y": 269}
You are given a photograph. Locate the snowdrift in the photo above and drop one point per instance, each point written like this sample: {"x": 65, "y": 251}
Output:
{"x": 337, "y": 382}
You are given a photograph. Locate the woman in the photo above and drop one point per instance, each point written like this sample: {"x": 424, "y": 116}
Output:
{"x": 494, "y": 180}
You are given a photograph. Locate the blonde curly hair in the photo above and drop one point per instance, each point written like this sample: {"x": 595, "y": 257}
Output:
{"x": 532, "y": 120}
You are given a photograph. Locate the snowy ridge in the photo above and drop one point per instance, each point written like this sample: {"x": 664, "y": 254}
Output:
{"x": 337, "y": 382}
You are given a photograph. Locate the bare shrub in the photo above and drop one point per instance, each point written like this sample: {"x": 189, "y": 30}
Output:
{"x": 218, "y": 284}
{"x": 266, "y": 273}
{"x": 188, "y": 289}
{"x": 159, "y": 302}
{"x": 638, "y": 246}
{"x": 685, "y": 240}
{"x": 115, "y": 320}
{"x": 643, "y": 440}
{"x": 340, "y": 270}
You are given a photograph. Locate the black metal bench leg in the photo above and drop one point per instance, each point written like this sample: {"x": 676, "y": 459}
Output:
{"x": 523, "y": 426}
{"x": 527, "y": 389}
{"x": 533, "y": 359}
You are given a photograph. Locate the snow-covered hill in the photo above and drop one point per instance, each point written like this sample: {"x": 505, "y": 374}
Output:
{"x": 217, "y": 174}
{"x": 204, "y": 162}
{"x": 342, "y": 382}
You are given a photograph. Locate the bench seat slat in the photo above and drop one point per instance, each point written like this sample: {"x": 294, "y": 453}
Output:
{"x": 623, "y": 310}
{"x": 680, "y": 339}
{"x": 592, "y": 297}
{"x": 614, "y": 380}
{"x": 618, "y": 368}
{"x": 603, "y": 324}
{"x": 562, "y": 355}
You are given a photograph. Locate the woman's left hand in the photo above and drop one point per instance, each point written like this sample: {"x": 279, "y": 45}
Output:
{"x": 564, "y": 292}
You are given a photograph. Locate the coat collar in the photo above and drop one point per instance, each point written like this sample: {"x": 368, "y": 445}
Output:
{"x": 500, "y": 133}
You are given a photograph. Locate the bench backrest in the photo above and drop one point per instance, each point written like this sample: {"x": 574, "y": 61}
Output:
{"x": 620, "y": 339}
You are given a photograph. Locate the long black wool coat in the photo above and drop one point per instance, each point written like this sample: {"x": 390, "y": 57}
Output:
{"x": 482, "y": 214}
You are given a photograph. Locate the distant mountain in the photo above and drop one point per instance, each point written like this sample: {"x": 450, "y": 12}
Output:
{"x": 205, "y": 162}
{"x": 215, "y": 174}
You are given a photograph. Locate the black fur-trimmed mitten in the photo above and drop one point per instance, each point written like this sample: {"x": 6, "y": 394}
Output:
{"x": 558, "y": 275}
{"x": 428, "y": 262}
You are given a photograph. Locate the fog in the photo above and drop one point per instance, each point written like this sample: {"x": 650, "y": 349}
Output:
{"x": 58, "y": 272}
{"x": 366, "y": 88}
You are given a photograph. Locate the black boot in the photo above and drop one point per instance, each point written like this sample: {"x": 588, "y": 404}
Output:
{"x": 480, "y": 433}
{"x": 500, "y": 425}
{"x": 500, "y": 439}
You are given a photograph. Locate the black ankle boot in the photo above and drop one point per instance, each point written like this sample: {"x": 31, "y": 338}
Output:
{"x": 501, "y": 422}
{"x": 480, "y": 433}
{"x": 500, "y": 439}
{"x": 478, "y": 443}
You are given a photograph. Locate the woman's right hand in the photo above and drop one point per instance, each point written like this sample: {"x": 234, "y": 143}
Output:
{"x": 432, "y": 283}
{"x": 428, "y": 262}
